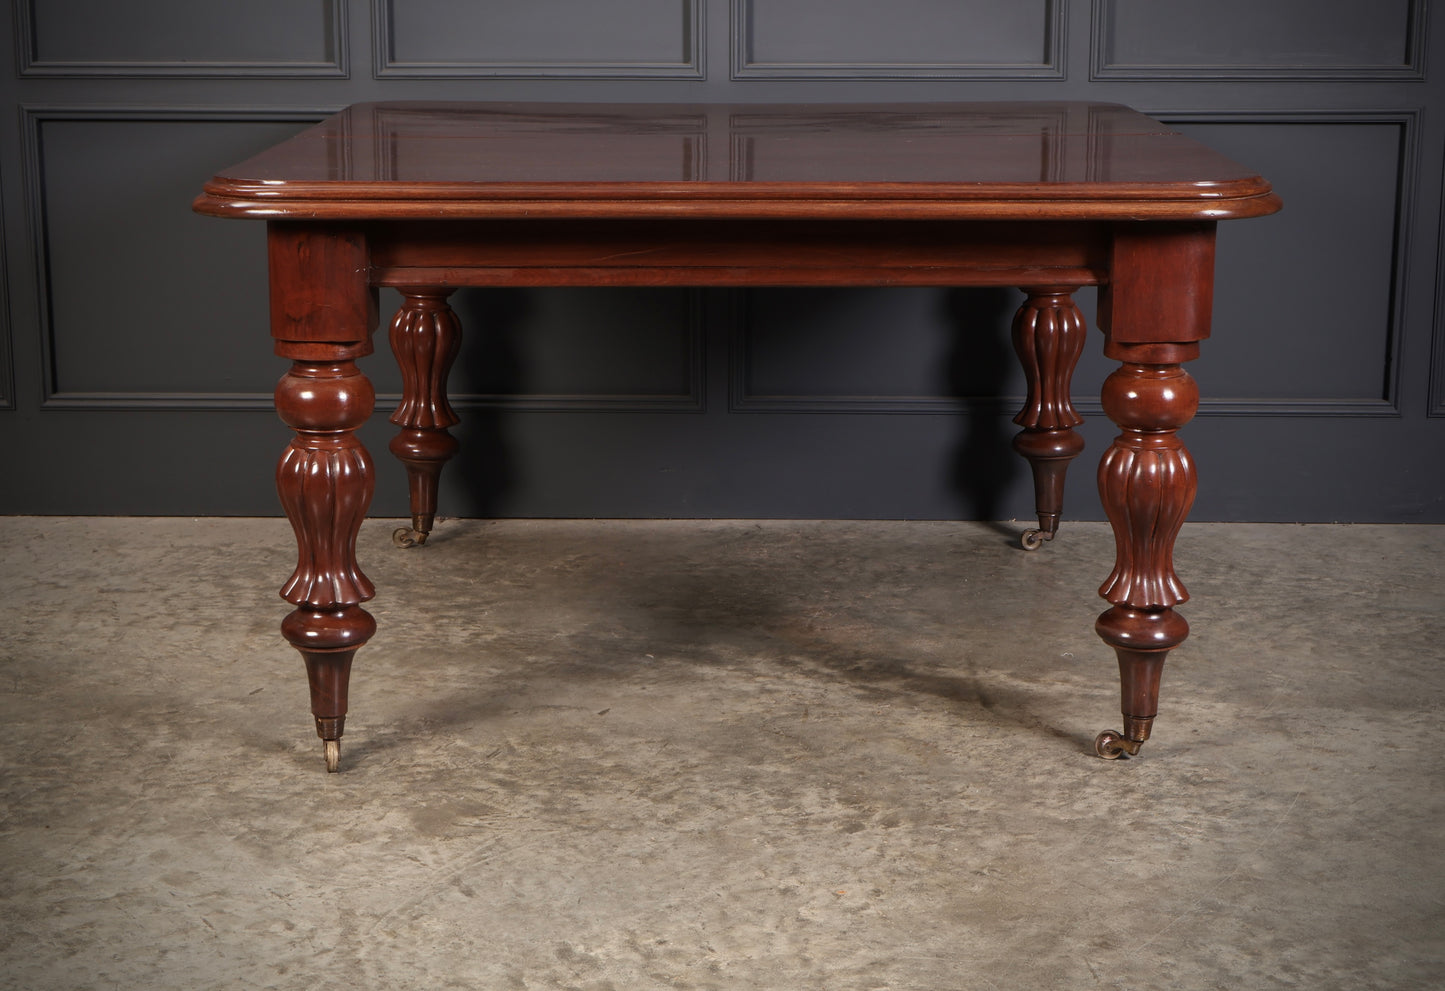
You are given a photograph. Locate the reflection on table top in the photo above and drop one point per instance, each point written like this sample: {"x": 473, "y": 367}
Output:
{"x": 1069, "y": 160}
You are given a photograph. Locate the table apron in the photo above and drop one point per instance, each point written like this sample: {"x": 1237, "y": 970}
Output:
{"x": 544, "y": 253}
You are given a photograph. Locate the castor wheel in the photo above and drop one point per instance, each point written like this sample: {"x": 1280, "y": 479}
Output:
{"x": 406, "y": 536}
{"x": 1032, "y": 540}
{"x": 332, "y": 749}
{"x": 1111, "y": 746}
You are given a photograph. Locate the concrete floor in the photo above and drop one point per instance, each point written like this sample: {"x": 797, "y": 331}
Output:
{"x": 635, "y": 755}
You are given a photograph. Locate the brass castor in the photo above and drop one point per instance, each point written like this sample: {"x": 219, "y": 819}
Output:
{"x": 1032, "y": 540}
{"x": 332, "y": 749}
{"x": 406, "y": 536}
{"x": 1111, "y": 746}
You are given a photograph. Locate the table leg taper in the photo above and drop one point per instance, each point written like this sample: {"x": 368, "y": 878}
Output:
{"x": 325, "y": 481}
{"x": 1147, "y": 484}
{"x": 1048, "y": 335}
{"x": 425, "y": 338}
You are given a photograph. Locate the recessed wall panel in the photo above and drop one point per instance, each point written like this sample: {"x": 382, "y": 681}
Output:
{"x": 903, "y": 38}
{"x": 145, "y": 302}
{"x": 1437, "y": 342}
{"x": 183, "y": 37}
{"x": 7, "y": 375}
{"x": 1305, "y": 302}
{"x": 572, "y": 349}
{"x": 878, "y": 350}
{"x": 539, "y": 38}
{"x": 1242, "y": 38}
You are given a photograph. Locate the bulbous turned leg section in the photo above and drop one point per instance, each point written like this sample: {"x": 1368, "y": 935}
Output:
{"x": 325, "y": 482}
{"x": 1048, "y": 335}
{"x": 425, "y": 338}
{"x": 1147, "y": 484}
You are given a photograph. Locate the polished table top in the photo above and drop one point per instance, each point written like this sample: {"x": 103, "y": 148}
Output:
{"x": 1059, "y": 161}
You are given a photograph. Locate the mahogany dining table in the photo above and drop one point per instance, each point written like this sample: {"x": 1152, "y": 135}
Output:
{"x": 1043, "y": 197}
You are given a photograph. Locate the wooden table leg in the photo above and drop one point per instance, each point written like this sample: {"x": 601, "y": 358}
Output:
{"x": 1048, "y": 334}
{"x": 325, "y": 481}
{"x": 323, "y": 311}
{"x": 1147, "y": 484}
{"x": 425, "y": 338}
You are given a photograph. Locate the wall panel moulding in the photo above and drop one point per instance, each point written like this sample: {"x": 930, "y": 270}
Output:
{"x": 181, "y": 38}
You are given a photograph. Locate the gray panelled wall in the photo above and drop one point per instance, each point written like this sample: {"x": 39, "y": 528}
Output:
{"x": 135, "y": 369}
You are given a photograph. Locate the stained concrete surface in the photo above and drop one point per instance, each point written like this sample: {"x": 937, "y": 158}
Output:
{"x": 719, "y": 755}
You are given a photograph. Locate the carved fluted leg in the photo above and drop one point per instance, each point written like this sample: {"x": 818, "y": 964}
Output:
{"x": 1048, "y": 334}
{"x": 425, "y": 338}
{"x": 325, "y": 482}
{"x": 1147, "y": 484}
